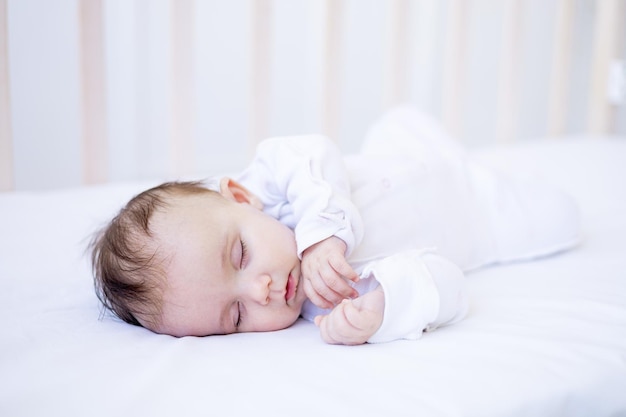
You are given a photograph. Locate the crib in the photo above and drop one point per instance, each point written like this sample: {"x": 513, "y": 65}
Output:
{"x": 100, "y": 99}
{"x": 129, "y": 89}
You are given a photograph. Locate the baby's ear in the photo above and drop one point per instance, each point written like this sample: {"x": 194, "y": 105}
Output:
{"x": 234, "y": 191}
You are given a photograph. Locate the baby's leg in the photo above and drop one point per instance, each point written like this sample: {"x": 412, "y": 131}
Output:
{"x": 530, "y": 219}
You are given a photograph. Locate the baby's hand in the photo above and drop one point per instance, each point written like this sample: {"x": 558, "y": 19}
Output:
{"x": 353, "y": 322}
{"x": 325, "y": 271}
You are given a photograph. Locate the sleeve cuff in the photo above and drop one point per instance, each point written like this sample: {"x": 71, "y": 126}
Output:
{"x": 411, "y": 296}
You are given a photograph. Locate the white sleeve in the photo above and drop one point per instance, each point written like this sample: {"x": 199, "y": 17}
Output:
{"x": 422, "y": 290}
{"x": 303, "y": 182}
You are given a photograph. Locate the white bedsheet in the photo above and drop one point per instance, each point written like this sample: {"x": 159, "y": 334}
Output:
{"x": 546, "y": 338}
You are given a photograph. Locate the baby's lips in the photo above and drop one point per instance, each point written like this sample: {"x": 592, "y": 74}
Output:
{"x": 290, "y": 287}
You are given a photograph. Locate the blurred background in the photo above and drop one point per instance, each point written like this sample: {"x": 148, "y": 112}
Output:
{"x": 112, "y": 90}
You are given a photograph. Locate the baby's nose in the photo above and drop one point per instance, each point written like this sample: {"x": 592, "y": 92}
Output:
{"x": 260, "y": 289}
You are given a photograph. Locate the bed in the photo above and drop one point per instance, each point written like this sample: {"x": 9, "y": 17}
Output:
{"x": 542, "y": 338}
{"x": 101, "y": 99}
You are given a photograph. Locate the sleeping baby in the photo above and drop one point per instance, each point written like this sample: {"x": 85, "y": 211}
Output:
{"x": 372, "y": 247}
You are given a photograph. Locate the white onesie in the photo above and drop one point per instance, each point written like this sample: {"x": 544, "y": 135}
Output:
{"x": 415, "y": 212}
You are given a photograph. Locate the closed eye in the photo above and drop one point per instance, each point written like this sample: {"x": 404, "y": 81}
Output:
{"x": 239, "y": 315}
{"x": 244, "y": 254}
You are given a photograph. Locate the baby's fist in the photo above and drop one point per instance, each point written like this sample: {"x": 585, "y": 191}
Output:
{"x": 353, "y": 322}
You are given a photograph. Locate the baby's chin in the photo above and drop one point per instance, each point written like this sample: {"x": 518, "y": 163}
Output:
{"x": 287, "y": 320}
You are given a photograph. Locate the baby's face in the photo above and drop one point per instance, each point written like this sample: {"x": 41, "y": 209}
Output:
{"x": 229, "y": 268}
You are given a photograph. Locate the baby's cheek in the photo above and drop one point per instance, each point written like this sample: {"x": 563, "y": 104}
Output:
{"x": 289, "y": 317}
{"x": 271, "y": 320}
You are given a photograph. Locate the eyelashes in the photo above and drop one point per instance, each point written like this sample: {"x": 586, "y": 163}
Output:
{"x": 239, "y": 315}
{"x": 244, "y": 254}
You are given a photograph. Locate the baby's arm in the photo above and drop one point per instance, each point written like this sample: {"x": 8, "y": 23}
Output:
{"x": 303, "y": 182}
{"x": 353, "y": 322}
{"x": 418, "y": 290}
{"x": 325, "y": 271}
{"x": 423, "y": 291}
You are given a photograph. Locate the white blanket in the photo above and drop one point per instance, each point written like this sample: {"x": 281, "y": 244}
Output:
{"x": 542, "y": 338}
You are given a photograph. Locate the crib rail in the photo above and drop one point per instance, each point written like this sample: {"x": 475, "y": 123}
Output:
{"x": 103, "y": 90}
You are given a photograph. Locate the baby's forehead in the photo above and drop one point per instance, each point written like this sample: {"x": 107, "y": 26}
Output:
{"x": 185, "y": 212}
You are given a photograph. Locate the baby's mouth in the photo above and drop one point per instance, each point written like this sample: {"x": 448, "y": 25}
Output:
{"x": 292, "y": 284}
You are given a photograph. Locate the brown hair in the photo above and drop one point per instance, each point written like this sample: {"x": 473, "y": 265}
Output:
{"x": 127, "y": 268}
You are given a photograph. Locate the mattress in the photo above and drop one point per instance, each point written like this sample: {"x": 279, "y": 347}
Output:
{"x": 541, "y": 338}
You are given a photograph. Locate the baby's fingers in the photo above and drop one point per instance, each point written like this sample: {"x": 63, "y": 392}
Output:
{"x": 343, "y": 268}
{"x": 335, "y": 285}
{"x": 331, "y": 327}
{"x": 337, "y": 327}
{"x": 322, "y": 323}
{"x": 325, "y": 284}
{"x": 315, "y": 297}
